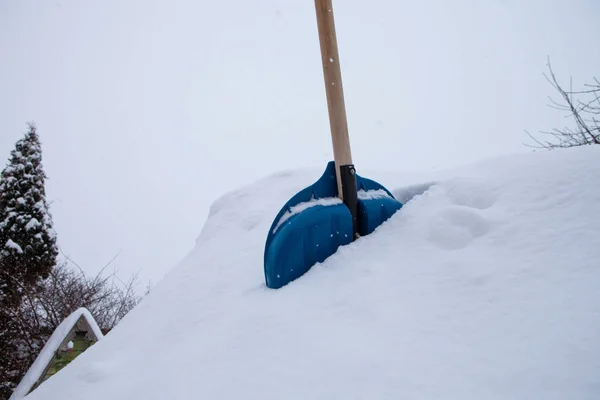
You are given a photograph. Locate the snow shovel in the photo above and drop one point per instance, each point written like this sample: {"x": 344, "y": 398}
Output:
{"x": 340, "y": 206}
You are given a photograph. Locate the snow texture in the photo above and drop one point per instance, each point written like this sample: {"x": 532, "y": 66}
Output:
{"x": 371, "y": 194}
{"x": 32, "y": 224}
{"x": 483, "y": 286}
{"x": 298, "y": 208}
{"x": 15, "y": 246}
{"x": 52, "y": 345}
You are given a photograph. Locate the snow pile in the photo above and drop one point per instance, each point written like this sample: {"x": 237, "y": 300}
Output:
{"x": 57, "y": 340}
{"x": 484, "y": 286}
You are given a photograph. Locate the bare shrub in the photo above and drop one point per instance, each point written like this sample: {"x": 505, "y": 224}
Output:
{"x": 583, "y": 106}
{"x": 26, "y": 328}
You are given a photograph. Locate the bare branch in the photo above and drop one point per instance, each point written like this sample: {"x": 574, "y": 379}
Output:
{"x": 582, "y": 111}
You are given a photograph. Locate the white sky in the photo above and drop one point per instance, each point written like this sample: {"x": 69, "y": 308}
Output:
{"x": 148, "y": 110}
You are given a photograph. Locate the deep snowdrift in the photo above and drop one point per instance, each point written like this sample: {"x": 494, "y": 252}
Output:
{"x": 484, "y": 286}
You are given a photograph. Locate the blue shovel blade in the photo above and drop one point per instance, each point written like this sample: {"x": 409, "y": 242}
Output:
{"x": 375, "y": 205}
{"x": 314, "y": 223}
{"x": 304, "y": 240}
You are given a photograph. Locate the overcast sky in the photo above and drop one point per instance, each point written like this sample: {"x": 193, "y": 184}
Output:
{"x": 148, "y": 110}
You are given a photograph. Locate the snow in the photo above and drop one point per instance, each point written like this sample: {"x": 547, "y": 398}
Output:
{"x": 52, "y": 345}
{"x": 483, "y": 286}
{"x": 371, "y": 194}
{"x": 298, "y": 208}
{"x": 12, "y": 245}
{"x": 33, "y": 223}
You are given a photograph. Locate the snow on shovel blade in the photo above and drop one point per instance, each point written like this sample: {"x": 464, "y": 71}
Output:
{"x": 375, "y": 205}
{"x": 314, "y": 223}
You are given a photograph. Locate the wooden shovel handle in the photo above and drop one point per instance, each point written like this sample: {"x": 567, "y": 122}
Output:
{"x": 333, "y": 87}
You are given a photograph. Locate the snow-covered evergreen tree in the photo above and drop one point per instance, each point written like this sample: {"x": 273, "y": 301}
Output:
{"x": 28, "y": 251}
{"x": 28, "y": 248}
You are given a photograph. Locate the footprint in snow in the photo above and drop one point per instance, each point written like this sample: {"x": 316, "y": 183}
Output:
{"x": 471, "y": 195}
{"x": 455, "y": 227}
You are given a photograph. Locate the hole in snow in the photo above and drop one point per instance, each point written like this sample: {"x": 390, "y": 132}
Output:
{"x": 406, "y": 194}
